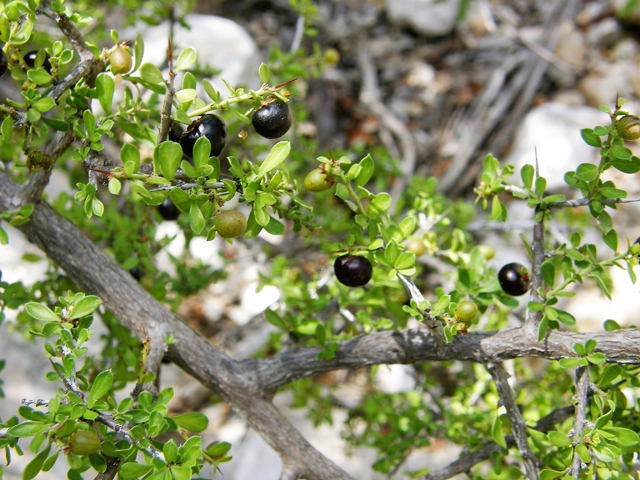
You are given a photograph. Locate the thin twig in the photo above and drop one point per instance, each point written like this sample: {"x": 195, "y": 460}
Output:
{"x": 165, "y": 123}
{"x": 433, "y": 323}
{"x": 370, "y": 96}
{"x": 501, "y": 379}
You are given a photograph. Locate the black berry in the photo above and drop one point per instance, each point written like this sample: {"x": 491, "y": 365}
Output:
{"x": 4, "y": 63}
{"x": 210, "y": 126}
{"x": 175, "y": 132}
{"x": 353, "y": 271}
{"x": 273, "y": 119}
{"x": 168, "y": 210}
{"x": 514, "y": 279}
{"x": 30, "y": 60}
{"x": 136, "y": 273}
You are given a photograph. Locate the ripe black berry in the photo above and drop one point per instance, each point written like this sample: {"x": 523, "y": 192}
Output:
{"x": 514, "y": 279}
{"x": 168, "y": 210}
{"x": 136, "y": 273}
{"x": 210, "y": 126}
{"x": 175, "y": 132}
{"x": 353, "y": 271}
{"x": 273, "y": 119}
{"x": 4, "y": 63}
{"x": 30, "y": 60}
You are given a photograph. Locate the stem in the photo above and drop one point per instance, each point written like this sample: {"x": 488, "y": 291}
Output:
{"x": 353, "y": 194}
{"x": 229, "y": 101}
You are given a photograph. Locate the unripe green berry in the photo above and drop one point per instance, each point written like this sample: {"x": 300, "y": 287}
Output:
{"x": 84, "y": 442}
{"x": 318, "y": 181}
{"x": 417, "y": 247}
{"x": 466, "y": 311}
{"x": 120, "y": 61}
{"x": 230, "y": 224}
{"x": 628, "y": 127}
{"x": 488, "y": 252}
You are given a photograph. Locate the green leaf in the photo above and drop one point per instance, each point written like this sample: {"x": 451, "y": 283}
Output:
{"x": 627, "y": 166}
{"x": 150, "y": 73}
{"x": 405, "y": 260}
{"x": 218, "y": 449}
{"x": 572, "y": 362}
{"x": 527, "y": 173}
{"x": 166, "y": 157}
{"x": 114, "y": 186}
{"x": 624, "y": 436}
{"x": 366, "y": 172}
{"x": 34, "y": 466}
{"x": 196, "y": 219}
{"x": 28, "y": 429}
{"x": 129, "y": 153}
{"x": 380, "y": 204}
{"x": 57, "y": 125}
{"x": 496, "y": 431}
{"x": 264, "y": 72}
{"x": 105, "y": 87}
{"x": 186, "y": 59}
{"x": 273, "y": 318}
{"x": 548, "y": 474}
{"x": 611, "y": 239}
{"x": 587, "y": 172}
{"x": 535, "y": 306}
{"x": 276, "y": 156}
{"x": 597, "y": 358}
{"x": 341, "y": 191}
{"x": 590, "y": 345}
{"x": 591, "y": 138}
{"x": 132, "y": 470}
{"x": 548, "y": 272}
{"x": 407, "y": 226}
{"x": 44, "y": 104}
{"x": 40, "y": 312}
{"x": 558, "y": 439}
{"x": 541, "y": 184}
{"x": 101, "y": 387}
{"x": 611, "y": 192}
{"x": 261, "y": 215}
{"x": 201, "y": 152}
{"x": 84, "y": 307}
{"x": 187, "y": 95}
{"x": 195, "y": 422}
{"x": 170, "y": 451}
{"x": 275, "y": 227}
{"x": 39, "y": 76}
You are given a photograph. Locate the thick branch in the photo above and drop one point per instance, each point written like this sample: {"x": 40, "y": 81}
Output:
{"x": 96, "y": 273}
{"x": 416, "y": 345}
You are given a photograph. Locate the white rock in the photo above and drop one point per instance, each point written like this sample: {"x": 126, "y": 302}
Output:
{"x": 553, "y": 130}
{"x": 428, "y": 17}
{"x": 396, "y": 378}
{"x": 221, "y": 43}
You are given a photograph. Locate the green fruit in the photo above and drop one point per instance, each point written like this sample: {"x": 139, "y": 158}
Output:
{"x": 120, "y": 61}
{"x": 318, "y": 181}
{"x": 230, "y": 224}
{"x": 417, "y": 246}
{"x": 487, "y": 251}
{"x": 466, "y": 311}
{"x": 628, "y": 127}
{"x": 84, "y": 442}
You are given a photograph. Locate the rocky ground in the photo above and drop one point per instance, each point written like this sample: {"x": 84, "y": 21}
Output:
{"x": 439, "y": 84}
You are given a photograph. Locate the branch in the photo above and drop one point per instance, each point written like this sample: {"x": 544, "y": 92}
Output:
{"x": 464, "y": 464}
{"x": 96, "y": 273}
{"x": 534, "y": 318}
{"x": 580, "y": 401}
{"x": 584, "y": 202}
{"x": 501, "y": 379}
{"x": 165, "y": 123}
{"x": 416, "y": 346}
